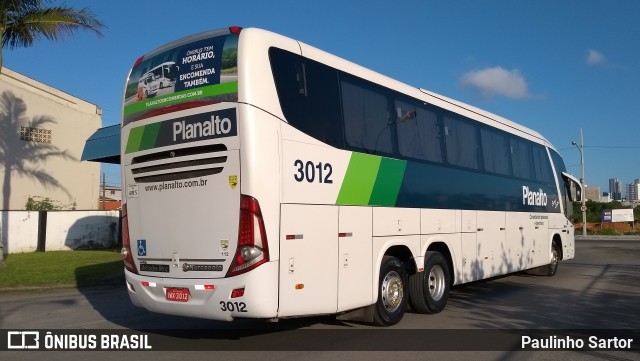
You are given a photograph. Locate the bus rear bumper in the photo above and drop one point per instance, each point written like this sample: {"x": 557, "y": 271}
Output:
{"x": 210, "y": 298}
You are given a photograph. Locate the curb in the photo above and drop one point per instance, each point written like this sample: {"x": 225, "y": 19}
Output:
{"x": 607, "y": 238}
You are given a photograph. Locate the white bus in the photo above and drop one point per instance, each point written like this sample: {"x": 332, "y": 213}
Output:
{"x": 161, "y": 76}
{"x": 306, "y": 185}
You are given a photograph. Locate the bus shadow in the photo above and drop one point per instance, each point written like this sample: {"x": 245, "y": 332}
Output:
{"x": 581, "y": 296}
{"x": 524, "y": 301}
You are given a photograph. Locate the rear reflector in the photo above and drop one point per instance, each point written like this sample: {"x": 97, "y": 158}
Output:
{"x": 238, "y": 292}
{"x": 204, "y": 287}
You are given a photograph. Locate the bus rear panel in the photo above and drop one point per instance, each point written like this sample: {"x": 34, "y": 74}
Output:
{"x": 194, "y": 245}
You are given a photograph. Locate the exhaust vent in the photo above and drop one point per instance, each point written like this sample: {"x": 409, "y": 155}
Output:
{"x": 179, "y": 164}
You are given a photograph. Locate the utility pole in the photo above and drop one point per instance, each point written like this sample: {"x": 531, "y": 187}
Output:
{"x": 104, "y": 191}
{"x": 583, "y": 208}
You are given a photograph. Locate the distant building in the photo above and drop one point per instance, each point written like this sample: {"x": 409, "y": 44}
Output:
{"x": 112, "y": 198}
{"x": 615, "y": 189}
{"x": 42, "y": 134}
{"x": 633, "y": 191}
{"x": 592, "y": 193}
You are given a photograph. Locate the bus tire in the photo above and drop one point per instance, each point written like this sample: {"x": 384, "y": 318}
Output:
{"x": 392, "y": 292}
{"x": 552, "y": 267}
{"x": 416, "y": 290}
{"x": 432, "y": 294}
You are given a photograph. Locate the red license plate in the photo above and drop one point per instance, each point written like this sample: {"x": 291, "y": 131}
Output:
{"x": 178, "y": 294}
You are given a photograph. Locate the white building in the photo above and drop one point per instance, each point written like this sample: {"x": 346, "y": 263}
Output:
{"x": 592, "y": 193}
{"x": 633, "y": 191}
{"x": 42, "y": 134}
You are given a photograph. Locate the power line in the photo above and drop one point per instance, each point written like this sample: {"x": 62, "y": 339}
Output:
{"x": 603, "y": 147}
{"x": 612, "y": 146}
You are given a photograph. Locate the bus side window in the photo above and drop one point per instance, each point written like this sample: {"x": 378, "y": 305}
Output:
{"x": 366, "y": 118}
{"x": 495, "y": 151}
{"x": 541, "y": 164}
{"x": 309, "y": 96}
{"x": 521, "y": 158}
{"x": 461, "y": 142}
{"x": 418, "y": 133}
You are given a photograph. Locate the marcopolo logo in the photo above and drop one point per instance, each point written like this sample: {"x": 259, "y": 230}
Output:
{"x": 532, "y": 198}
{"x": 215, "y": 126}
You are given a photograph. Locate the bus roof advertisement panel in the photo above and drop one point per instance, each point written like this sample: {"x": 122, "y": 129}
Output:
{"x": 191, "y": 74}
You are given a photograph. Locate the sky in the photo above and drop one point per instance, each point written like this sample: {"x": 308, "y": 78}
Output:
{"x": 555, "y": 66}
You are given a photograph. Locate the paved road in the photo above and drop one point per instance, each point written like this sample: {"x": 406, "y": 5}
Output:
{"x": 600, "y": 289}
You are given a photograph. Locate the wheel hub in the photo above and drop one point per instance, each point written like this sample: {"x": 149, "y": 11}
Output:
{"x": 436, "y": 283}
{"x": 392, "y": 291}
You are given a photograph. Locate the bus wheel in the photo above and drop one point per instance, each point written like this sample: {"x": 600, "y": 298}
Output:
{"x": 430, "y": 288}
{"x": 552, "y": 267}
{"x": 392, "y": 294}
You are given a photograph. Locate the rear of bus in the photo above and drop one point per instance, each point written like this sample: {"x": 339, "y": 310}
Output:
{"x": 194, "y": 242}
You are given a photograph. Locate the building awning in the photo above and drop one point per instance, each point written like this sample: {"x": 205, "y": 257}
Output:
{"x": 103, "y": 146}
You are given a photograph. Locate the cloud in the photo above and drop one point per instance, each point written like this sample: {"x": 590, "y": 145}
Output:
{"x": 595, "y": 57}
{"x": 496, "y": 81}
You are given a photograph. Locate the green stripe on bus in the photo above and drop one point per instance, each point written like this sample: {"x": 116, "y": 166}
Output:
{"x": 135, "y": 138}
{"x": 150, "y": 136}
{"x": 182, "y": 96}
{"x": 388, "y": 181}
{"x": 359, "y": 179}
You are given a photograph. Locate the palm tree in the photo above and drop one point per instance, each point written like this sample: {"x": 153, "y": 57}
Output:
{"x": 23, "y": 21}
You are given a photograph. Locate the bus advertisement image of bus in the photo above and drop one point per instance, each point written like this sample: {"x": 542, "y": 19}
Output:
{"x": 162, "y": 76}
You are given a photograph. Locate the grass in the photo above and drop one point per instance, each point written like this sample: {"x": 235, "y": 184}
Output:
{"x": 611, "y": 232}
{"x": 60, "y": 269}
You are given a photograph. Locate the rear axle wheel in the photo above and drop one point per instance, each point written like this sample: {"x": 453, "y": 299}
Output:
{"x": 392, "y": 292}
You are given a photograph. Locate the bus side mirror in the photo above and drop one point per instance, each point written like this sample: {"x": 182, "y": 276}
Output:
{"x": 575, "y": 188}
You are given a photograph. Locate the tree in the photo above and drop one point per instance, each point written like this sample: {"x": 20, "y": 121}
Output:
{"x": 39, "y": 203}
{"x": 23, "y": 21}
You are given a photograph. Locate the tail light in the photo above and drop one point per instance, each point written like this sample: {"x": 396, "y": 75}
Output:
{"x": 252, "y": 249}
{"x": 129, "y": 264}
{"x": 140, "y": 59}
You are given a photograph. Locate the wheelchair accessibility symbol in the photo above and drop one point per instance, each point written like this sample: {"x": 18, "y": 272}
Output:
{"x": 142, "y": 247}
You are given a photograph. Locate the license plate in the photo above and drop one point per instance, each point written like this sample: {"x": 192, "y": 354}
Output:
{"x": 178, "y": 294}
